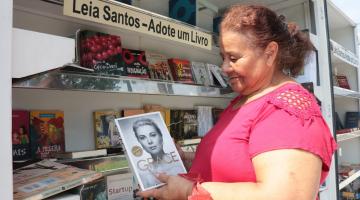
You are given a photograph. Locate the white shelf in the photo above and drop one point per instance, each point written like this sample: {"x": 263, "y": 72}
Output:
{"x": 347, "y": 136}
{"x": 349, "y": 180}
{"x": 342, "y": 92}
{"x": 343, "y": 54}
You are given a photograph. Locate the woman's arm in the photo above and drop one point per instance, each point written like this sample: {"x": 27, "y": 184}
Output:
{"x": 281, "y": 175}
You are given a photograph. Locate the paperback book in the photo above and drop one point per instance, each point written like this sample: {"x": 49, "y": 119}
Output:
{"x": 135, "y": 63}
{"x": 201, "y": 74}
{"x": 158, "y": 66}
{"x": 106, "y": 134}
{"x": 81, "y": 154}
{"x": 46, "y": 133}
{"x": 100, "y": 52}
{"x": 103, "y": 164}
{"x": 20, "y": 135}
{"x": 184, "y": 124}
{"x": 120, "y": 186}
{"x": 46, "y": 178}
{"x": 218, "y": 77}
{"x": 181, "y": 70}
{"x": 149, "y": 148}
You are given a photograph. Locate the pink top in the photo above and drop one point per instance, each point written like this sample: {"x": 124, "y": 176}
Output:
{"x": 286, "y": 118}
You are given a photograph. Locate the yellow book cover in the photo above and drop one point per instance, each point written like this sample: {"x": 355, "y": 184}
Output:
{"x": 106, "y": 133}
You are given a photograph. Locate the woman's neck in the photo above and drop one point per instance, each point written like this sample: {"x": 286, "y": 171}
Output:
{"x": 278, "y": 79}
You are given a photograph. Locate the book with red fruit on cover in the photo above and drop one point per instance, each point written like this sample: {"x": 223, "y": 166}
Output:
{"x": 100, "y": 51}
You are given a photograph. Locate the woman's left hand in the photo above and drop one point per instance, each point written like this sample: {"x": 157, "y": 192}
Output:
{"x": 176, "y": 188}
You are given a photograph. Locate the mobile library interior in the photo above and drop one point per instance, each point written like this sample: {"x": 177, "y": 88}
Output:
{"x": 39, "y": 38}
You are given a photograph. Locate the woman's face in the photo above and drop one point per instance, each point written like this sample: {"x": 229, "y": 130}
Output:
{"x": 150, "y": 139}
{"x": 245, "y": 65}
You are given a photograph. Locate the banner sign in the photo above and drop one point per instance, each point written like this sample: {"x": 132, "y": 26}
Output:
{"x": 343, "y": 54}
{"x": 122, "y": 16}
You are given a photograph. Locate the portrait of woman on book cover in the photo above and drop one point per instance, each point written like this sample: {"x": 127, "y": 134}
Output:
{"x": 150, "y": 148}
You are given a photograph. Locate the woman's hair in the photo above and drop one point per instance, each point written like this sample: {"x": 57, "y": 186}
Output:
{"x": 145, "y": 121}
{"x": 261, "y": 26}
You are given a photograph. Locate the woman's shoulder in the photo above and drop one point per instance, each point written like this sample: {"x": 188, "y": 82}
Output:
{"x": 295, "y": 100}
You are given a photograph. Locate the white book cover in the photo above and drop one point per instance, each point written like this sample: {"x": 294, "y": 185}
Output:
{"x": 201, "y": 73}
{"x": 216, "y": 71}
{"x": 149, "y": 148}
{"x": 120, "y": 186}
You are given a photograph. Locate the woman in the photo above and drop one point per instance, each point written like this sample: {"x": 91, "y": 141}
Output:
{"x": 150, "y": 138}
{"x": 271, "y": 142}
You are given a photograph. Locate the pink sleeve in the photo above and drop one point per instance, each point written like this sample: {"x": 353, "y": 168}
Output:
{"x": 281, "y": 129}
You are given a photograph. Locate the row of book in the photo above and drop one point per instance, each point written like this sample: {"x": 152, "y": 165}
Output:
{"x": 352, "y": 122}
{"x": 105, "y": 177}
{"x": 40, "y": 133}
{"x": 182, "y": 123}
{"x": 103, "y": 54}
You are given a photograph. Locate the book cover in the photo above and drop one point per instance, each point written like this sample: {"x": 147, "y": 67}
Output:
{"x": 46, "y": 133}
{"x": 135, "y": 63}
{"x": 184, "y": 124}
{"x": 20, "y": 135}
{"x": 100, "y": 51}
{"x": 165, "y": 112}
{"x": 183, "y": 10}
{"x": 158, "y": 66}
{"x": 218, "y": 76}
{"x": 95, "y": 190}
{"x": 102, "y": 164}
{"x": 106, "y": 134}
{"x": 149, "y": 148}
{"x": 81, "y": 154}
{"x": 120, "y": 186}
{"x": 201, "y": 73}
{"x": 338, "y": 123}
{"x": 216, "y": 113}
{"x": 352, "y": 119}
{"x": 132, "y": 111}
{"x": 46, "y": 178}
{"x": 204, "y": 120}
{"x": 181, "y": 70}
{"x": 342, "y": 81}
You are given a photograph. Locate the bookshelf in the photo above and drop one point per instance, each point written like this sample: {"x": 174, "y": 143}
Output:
{"x": 347, "y": 136}
{"x": 344, "y": 61}
{"x": 78, "y": 103}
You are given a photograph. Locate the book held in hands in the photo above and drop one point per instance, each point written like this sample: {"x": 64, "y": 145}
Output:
{"x": 149, "y": 148}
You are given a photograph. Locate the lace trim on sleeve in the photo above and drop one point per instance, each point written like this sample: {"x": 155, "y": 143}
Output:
{"x": 296, "y": 101}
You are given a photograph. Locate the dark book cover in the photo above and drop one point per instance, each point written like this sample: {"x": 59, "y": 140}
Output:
{"x": 106, "y": 133}
{"x": 181, "y": 70}
{"x": 309, "y": 86}
{"x": 20, "y": 135}
{"x": 338, "y": 123}
{"x": 183, "y": 124}
{"x": 135, "y": 63}
{"x": 352, "y": 119}
{"x": 216, "y": 112}
{"x": 158, "y": 66}
{"x": 95, "y": 190}
{"x": 46, "y": 133}
{"x": 183, "y": 10}
{"x": 100, "y": 51}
